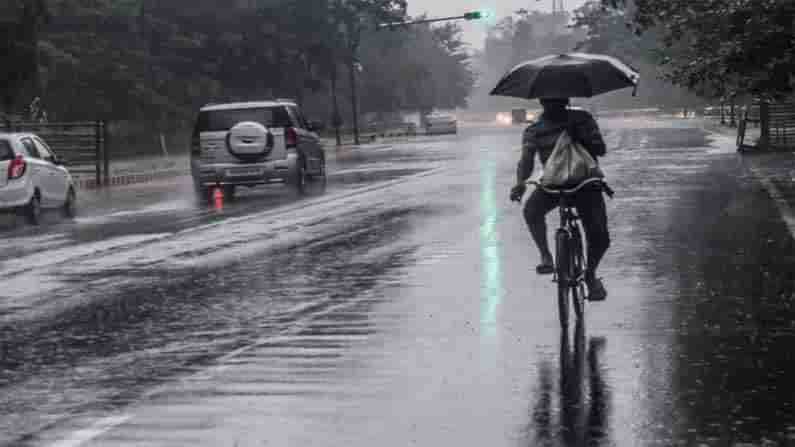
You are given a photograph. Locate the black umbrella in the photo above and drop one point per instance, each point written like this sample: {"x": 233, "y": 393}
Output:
{"x": 574, "y": 75}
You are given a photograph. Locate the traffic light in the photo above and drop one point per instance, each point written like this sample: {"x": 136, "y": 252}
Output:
{"x": 476, "y": 15}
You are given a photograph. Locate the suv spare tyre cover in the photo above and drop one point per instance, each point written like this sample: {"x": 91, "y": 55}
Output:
{"x": 249, "y": 141}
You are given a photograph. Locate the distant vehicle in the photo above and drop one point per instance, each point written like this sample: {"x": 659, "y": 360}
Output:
{"x": 504, "y": 118}
{"x": 393, "y": 125}
{"x": 440, "y": 124}
{"x": 255, "y": 143}
{"x": 515, "y": 117}
{"x": 33, "y": 177}
{"x": 518, "y": 116}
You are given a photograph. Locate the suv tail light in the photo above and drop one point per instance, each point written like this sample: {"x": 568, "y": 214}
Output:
{"x": 290, "y": 138}
{"x": 195, "y": 145}
{"x": 17, "y": 168}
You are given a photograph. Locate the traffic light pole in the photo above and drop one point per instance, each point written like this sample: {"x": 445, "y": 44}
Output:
{"x": 467, "y": 16}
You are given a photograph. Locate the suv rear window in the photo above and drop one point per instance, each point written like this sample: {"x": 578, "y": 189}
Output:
{"x": 222, "y": 120}
{"x": 6, "y": 153}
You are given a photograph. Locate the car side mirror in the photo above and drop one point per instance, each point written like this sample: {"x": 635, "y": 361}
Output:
{"x": 56, "y": 160}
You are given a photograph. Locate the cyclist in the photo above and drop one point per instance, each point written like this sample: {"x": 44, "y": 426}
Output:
{"x": 540, "y": 138}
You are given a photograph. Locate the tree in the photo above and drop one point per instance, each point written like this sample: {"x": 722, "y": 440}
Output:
{"x": 352, "y": 18}
{"x": 607, "y": 32}
{"x": 150, "y": 65}
{"x": 20, "y": 26}
{"x": 726, "y": 46}
{"x": 528, "y": 34}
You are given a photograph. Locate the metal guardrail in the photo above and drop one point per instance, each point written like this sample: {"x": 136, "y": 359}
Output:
{"x": 776, "y": 121}
{"x": 83, "y": 145}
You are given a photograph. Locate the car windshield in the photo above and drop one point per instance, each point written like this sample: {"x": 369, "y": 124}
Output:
{"x": 222, "y": 120}
{"x": 5, "y": 151}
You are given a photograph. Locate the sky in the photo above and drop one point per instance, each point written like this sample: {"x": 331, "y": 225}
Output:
{"x": 475, "y": 32}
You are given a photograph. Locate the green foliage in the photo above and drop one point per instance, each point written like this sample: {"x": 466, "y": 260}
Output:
{"x": 20, "y": 24}
{"x": 721, "y": 47}
{"x": 157, "y": 62}
{"x": 607, "y": 32}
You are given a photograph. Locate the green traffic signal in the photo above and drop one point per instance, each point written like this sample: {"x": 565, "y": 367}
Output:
{"x": 476, "y": 15}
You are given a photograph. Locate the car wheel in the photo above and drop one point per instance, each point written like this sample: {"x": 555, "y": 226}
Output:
{"x": 297, "y": 179}
{"x": 32, "y": 211}
{"x": 321, "y": 180}
{"x": 69, "y": 209}
{"x": 202, "y": 194}
{"x": 229, "y": 192}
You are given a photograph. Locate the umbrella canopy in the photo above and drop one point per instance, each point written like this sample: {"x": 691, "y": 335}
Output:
{"x": 573, "y": 75}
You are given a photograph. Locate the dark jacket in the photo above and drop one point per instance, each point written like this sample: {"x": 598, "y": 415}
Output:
{"x": 541, "y": 136}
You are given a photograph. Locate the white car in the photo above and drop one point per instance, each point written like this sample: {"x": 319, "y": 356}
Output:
{"x": 440, "y": 124}
{"x": 32, "y": 178}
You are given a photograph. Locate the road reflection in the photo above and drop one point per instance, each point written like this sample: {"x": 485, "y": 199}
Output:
{"x": 581, "y": 415}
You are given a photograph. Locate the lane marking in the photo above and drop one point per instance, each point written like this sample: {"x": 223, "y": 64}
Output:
{"x": 96, "y": 429}
{"x": 106, "y": 424}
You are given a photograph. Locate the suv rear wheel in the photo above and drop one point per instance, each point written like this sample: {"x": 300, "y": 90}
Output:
{"x": 297, "y": 179}
{"x": 321, "y": 178}
{"x": 229, "y": 192}
{"x": 202, "y": 194}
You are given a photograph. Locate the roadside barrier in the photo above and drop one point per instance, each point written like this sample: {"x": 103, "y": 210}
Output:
{"x": 131, "y": 179}
{"x": 79, "y": 143}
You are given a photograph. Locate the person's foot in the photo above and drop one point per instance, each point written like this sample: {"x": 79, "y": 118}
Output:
{"x": 547, "y": 266}
{"x": 596, "y": 290}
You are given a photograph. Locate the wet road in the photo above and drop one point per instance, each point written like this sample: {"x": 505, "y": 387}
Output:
{"x": 399, "y": 308}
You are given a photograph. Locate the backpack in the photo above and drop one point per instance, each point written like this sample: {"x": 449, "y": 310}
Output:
{"x": 569, "y": 164}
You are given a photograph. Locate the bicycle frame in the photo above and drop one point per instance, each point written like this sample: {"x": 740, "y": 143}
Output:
{"x": 570, "y": 223}
{"x": 569, "y": 253}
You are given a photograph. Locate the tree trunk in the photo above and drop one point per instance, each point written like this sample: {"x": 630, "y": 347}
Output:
{"x": 354, "y": 100}
{"x": 336, "y": 119}
{"x": 722, "y": 113}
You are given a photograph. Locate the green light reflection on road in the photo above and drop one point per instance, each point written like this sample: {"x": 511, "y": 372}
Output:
{"x": 491, "y": 288}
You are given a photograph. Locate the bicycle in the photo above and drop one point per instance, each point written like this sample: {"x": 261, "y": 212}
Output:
{"x": 569, "y": 254}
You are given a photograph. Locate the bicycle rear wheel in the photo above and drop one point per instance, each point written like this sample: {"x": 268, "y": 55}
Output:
{"x": 563, "y": 273}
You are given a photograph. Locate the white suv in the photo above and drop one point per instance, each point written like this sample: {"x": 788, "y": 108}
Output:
{"x": 254, "y": 143}
{"x": 32, "y": 177}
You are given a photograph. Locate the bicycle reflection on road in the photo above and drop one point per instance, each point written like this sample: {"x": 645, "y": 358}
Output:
{"x": 584, "y": 401}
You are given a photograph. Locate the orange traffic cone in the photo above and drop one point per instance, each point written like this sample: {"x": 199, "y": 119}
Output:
{"x": 218, "y": 198}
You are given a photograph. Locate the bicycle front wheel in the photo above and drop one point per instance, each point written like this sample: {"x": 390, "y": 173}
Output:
{"x": 563, "y": 272}
{"x": 577, "y": 268}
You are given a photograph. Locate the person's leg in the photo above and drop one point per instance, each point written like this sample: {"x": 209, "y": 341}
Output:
{"x": 591, "y": 208}
{"x": 538, "y": 205}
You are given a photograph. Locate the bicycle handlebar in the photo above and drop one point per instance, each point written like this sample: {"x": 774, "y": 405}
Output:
{"x": 594, "y": 180}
